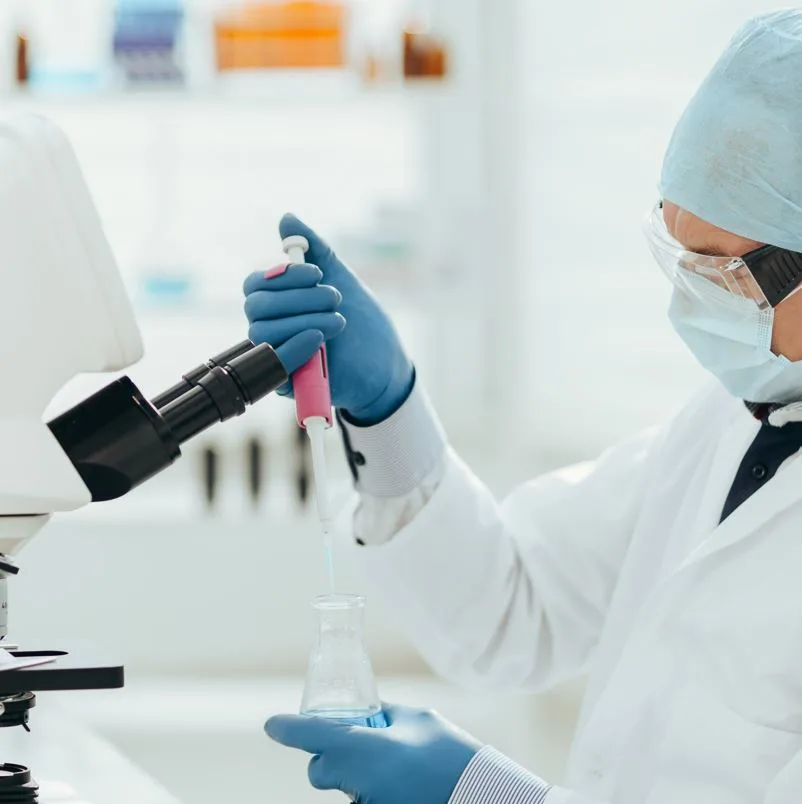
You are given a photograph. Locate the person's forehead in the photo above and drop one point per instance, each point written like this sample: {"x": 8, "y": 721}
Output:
{"x": 701, "y": 236}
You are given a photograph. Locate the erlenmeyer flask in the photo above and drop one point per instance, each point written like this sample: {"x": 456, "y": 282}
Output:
{"x": 340, "y": 682}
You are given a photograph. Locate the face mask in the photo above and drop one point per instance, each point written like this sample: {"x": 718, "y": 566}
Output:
{"x": 731, "y": 338}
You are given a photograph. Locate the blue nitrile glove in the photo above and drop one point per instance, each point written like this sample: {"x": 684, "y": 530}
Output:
{"x": 369, "y": 373}
{"x": 418, "y": 758}
{"x": 295, "y": 351}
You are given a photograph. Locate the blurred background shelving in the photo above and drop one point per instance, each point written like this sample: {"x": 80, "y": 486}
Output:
{"x": 198, "y": 123}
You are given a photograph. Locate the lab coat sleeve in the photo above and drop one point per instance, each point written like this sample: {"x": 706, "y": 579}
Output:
{"x": 491, "y": 776}
{"x": 397, "y": 465}
{"x": 786, "y": 788}
{"x": 514, "y": 595}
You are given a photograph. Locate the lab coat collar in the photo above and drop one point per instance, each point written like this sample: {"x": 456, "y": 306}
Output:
{"x": 784, "y": 490}
{"x": 784, "y": 415}
{"x": 776, "y": 415}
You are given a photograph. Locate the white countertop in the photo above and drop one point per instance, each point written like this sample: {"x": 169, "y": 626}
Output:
{"x": 74, "y": 766}
{"x": 203, "y": 738}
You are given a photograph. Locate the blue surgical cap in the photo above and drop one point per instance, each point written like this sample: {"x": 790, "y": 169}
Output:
{"x": 735, "y": 158}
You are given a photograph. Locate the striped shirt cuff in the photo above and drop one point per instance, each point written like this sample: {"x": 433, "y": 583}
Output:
{"x": 491, "y": 776}
{"x": 395, "y": 456}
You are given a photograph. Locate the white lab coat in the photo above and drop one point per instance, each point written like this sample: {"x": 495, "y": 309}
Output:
{"x": 691, "y": 631}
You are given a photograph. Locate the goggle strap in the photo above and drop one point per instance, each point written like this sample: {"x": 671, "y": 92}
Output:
{"x": 777, "y": 271}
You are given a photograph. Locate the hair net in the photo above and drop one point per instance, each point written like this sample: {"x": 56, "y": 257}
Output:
{"x": 735, "y": 158}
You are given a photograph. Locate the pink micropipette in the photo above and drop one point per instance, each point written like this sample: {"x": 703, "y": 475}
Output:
{"x": 310, "y": 385}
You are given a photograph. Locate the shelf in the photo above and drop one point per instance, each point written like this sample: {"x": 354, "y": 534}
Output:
{"x": 284, "y": 90}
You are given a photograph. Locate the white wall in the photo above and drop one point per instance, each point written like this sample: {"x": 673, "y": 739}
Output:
{"x": 606, "y": 83}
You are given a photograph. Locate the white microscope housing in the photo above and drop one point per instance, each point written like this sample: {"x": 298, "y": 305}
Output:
{"x": 64, "y": 311}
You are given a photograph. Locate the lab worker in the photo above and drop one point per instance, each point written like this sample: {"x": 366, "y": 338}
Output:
{"x": 669, "y": 570}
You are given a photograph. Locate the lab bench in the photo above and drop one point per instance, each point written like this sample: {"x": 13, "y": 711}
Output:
{"x": 73, "y": 765}
{"x": 175, "y": 725}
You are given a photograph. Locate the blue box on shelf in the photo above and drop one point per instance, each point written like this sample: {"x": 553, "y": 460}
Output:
{"x": 147, "y": 37}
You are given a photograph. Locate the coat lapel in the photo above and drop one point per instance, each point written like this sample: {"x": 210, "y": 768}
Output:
{"x": 782, "y": 491}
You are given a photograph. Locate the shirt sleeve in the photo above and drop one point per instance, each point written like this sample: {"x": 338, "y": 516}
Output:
{"x": 397, "y": 466}
{"x": 491, "y": 776}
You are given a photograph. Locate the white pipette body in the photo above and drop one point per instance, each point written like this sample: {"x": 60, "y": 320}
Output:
{"x": 316, "y": 427}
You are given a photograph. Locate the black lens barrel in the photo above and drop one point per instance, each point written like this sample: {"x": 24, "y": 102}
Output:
{"x": 190, "y": 379}
{"x": 225, "y": 392}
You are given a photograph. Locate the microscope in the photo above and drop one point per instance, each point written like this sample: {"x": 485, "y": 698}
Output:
{"x": 63, "y": 312}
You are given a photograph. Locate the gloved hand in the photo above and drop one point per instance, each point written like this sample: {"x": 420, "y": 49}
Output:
{"x": 295, "y": 351}
{"x": 369, "y": 373}
{"x": 418, "y": 758}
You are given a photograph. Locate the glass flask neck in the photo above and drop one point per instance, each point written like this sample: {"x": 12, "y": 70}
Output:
{"x": 340, "y": 616}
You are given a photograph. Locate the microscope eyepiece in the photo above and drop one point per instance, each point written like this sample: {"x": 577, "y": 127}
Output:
{"x": 258, "y": 372}
{"x": 225, "y": 391}
{"x": 190, "y": 379}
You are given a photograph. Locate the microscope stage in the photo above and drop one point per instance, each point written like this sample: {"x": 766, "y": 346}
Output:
{"x": 78, "y": 666}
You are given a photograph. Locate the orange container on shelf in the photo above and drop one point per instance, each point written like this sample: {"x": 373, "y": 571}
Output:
{"x": 293, "y": 34}
{"x": 424, "y": 55}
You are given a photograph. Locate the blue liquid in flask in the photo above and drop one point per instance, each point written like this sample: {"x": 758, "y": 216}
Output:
{"x": 377, "y": 720}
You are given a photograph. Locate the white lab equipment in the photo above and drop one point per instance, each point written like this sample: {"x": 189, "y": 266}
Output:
{"x": 64, "y": 311}
{"x": 688, "y": 625}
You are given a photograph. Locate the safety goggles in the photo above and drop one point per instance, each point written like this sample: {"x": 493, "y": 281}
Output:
{"x": 764, "y": 276}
